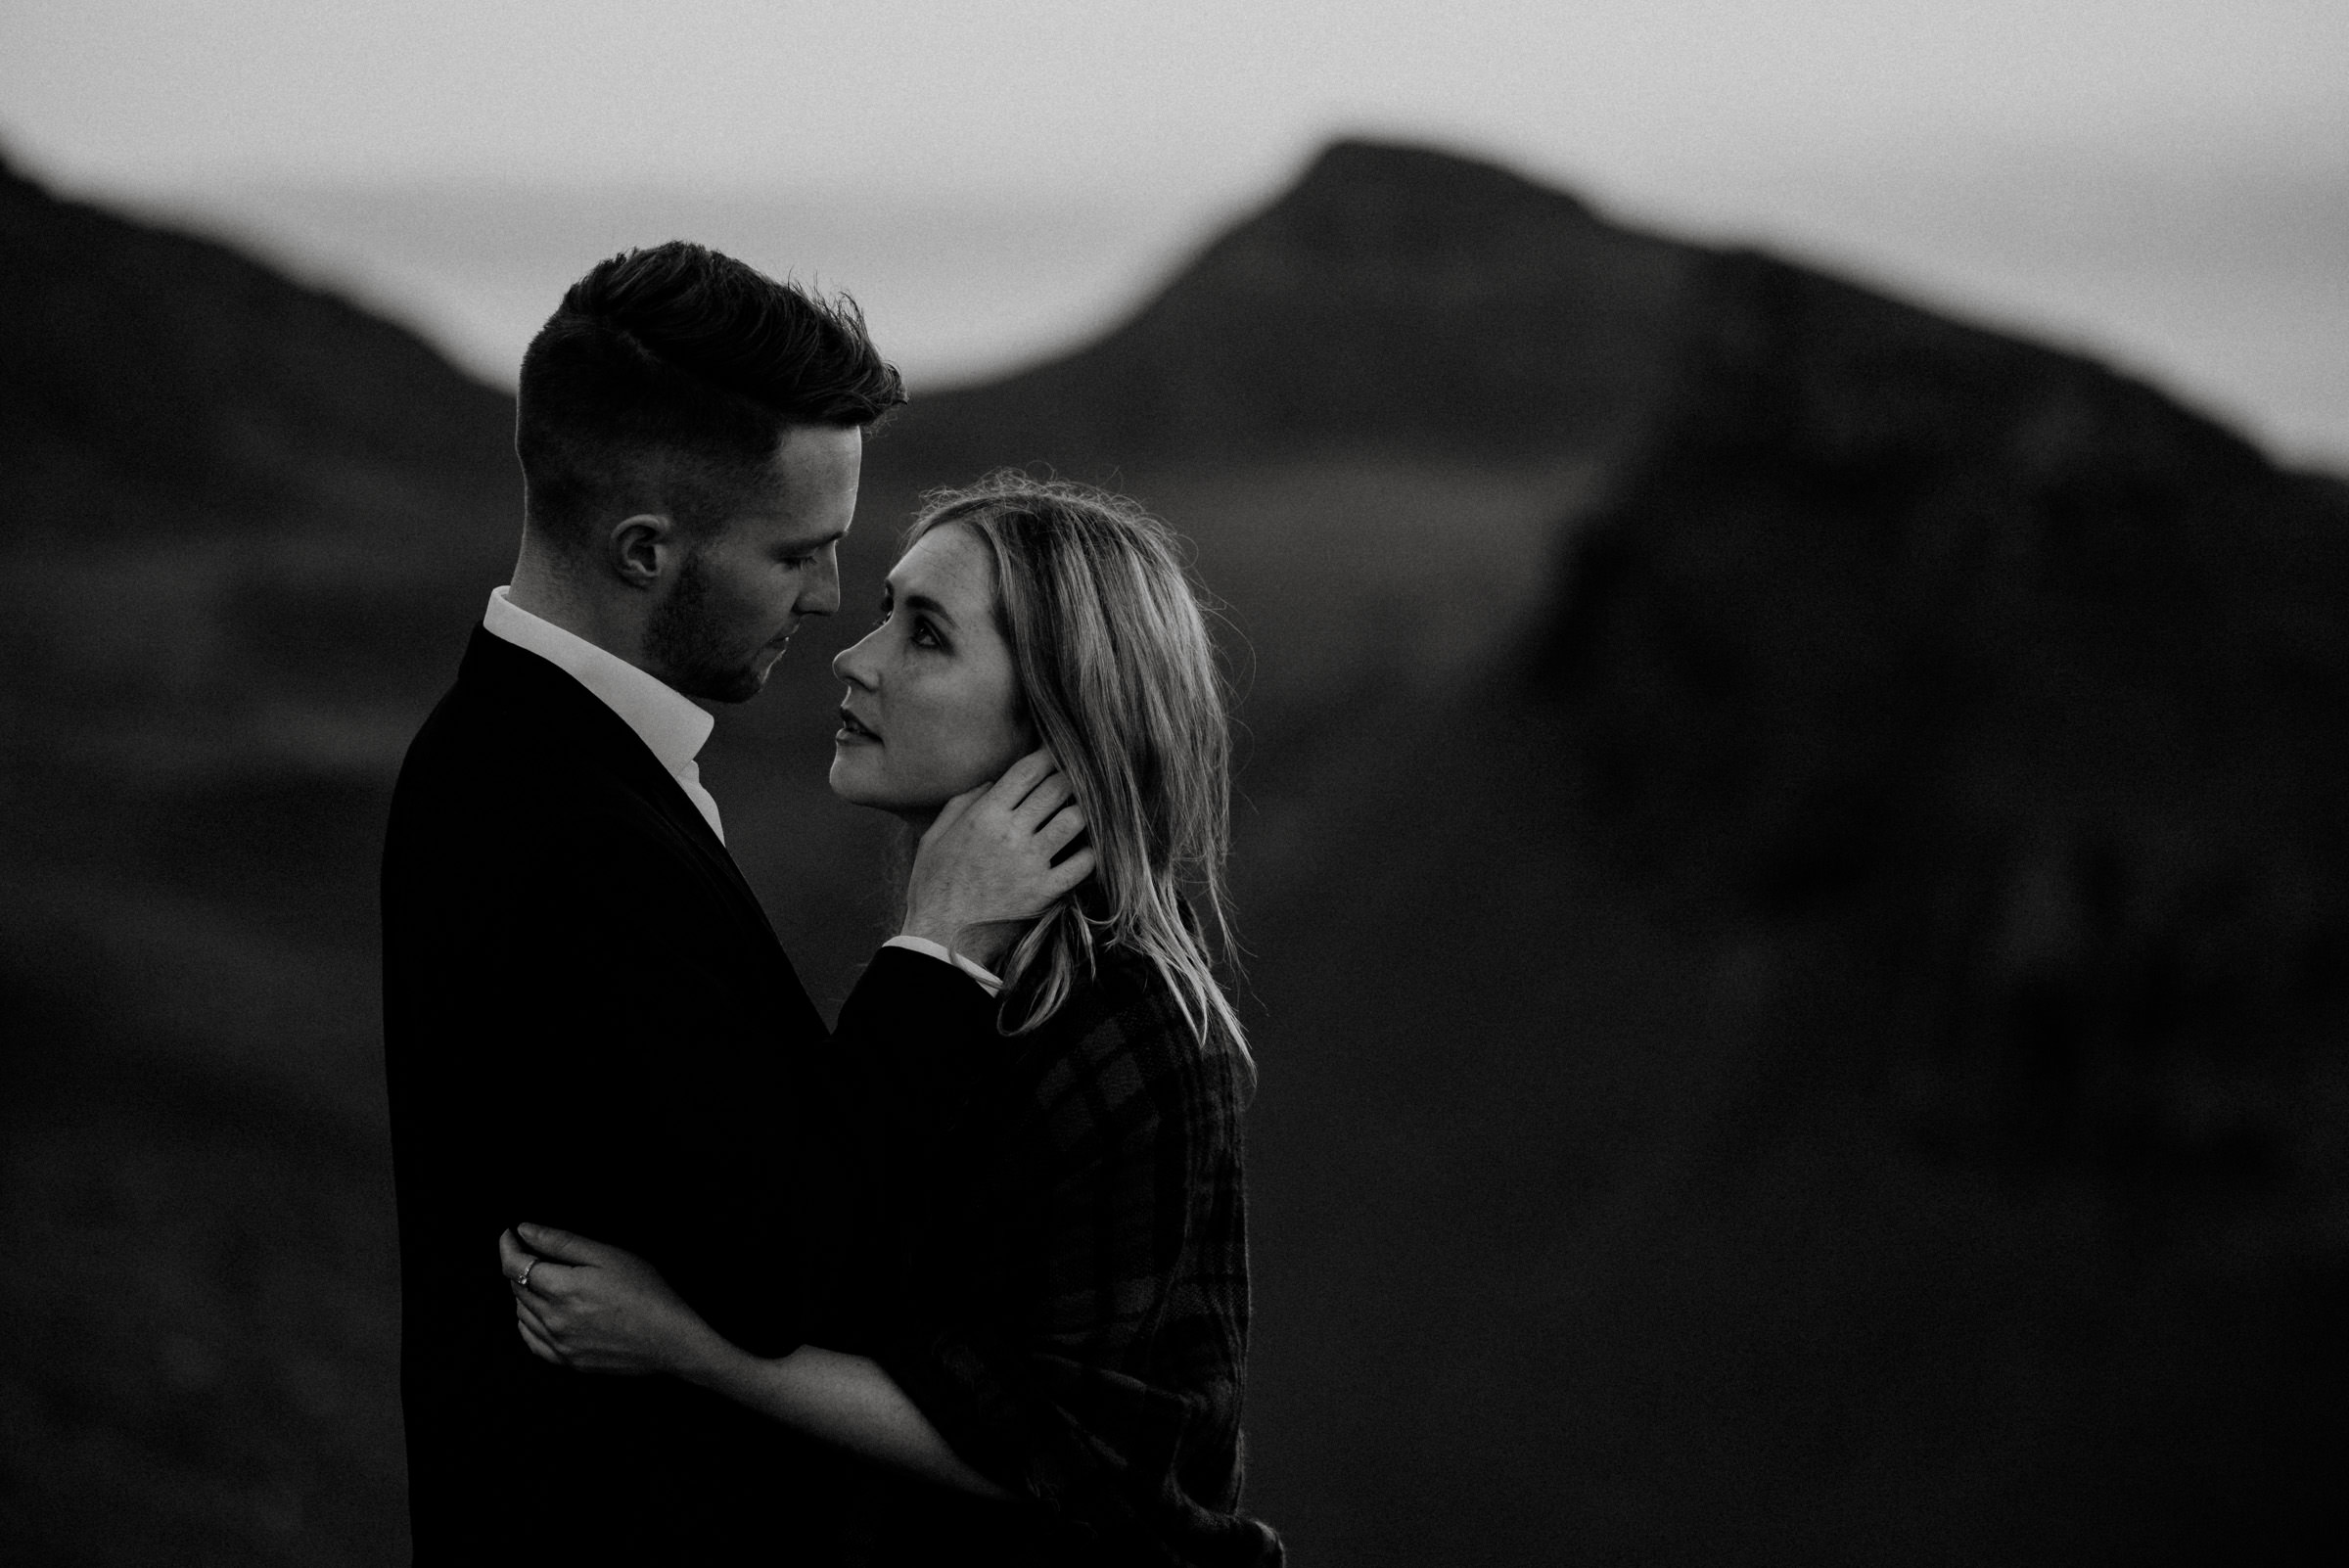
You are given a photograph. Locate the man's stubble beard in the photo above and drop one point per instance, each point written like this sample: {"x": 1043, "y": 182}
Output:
{"x": 678, "y": 638}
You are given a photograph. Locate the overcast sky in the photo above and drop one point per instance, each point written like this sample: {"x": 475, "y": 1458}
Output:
{"x": 1060, "y": 91}
{"x": 2010, "y": 156}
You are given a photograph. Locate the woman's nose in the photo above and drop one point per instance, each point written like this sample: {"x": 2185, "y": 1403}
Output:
{"x": 855, "y": 664}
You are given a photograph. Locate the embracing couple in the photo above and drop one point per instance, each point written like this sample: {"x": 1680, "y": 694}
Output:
{"x": 961, "y": 1280}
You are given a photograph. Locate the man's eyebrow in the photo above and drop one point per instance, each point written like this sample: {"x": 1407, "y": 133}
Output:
{"x": 811, "y": 546}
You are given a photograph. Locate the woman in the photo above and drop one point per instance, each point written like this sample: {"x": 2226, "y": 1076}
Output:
{"x": 1058, "y": 1321}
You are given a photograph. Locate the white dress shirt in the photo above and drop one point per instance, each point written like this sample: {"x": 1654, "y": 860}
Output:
{"x": 672, "y": 725}
{"x": 939, "y": 950}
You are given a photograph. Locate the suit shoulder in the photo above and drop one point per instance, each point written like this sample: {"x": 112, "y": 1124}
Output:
{"x": 456, "y": 740}
{"x": 472, "y": 779}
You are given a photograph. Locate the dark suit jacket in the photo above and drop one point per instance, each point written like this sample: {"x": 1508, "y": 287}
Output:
{"x": 588, "y": 1023}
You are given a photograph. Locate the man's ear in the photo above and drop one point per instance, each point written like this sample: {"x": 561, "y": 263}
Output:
{"x": 641, "y": 547}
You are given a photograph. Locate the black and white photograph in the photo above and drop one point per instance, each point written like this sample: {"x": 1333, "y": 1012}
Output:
{"x": 1204, "y": 785}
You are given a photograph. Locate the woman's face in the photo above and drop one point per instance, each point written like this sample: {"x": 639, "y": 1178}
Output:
{"x": 933, "y": 706}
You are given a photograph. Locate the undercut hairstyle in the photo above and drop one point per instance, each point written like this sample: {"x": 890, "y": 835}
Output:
{"x": 664, "y": 381}
{"x": 1119, "y": 676}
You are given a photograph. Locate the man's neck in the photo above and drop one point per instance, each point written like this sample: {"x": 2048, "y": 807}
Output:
{"x": 555, "y": 597}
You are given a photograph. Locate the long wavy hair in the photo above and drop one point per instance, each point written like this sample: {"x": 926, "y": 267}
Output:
{"x": 1120, "y": 680}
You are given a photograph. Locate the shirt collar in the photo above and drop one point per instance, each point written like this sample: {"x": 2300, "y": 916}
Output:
{"x": 669, "y": 722}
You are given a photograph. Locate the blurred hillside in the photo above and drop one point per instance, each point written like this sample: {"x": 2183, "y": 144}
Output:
{"x": 1794, "y": 848}
{"x": 249, "y": 518}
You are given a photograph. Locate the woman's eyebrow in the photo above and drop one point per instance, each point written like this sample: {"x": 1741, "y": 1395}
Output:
{"x": 926, "y": 605}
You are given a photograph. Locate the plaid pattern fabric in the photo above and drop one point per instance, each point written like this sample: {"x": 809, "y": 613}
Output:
{"x": 1078, "y": 1282}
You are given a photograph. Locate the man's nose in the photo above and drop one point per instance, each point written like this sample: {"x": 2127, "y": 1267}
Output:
{"x": 821, "y": 595}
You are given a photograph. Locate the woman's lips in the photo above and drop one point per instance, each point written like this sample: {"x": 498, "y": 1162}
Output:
{"x": 851, "y": 730}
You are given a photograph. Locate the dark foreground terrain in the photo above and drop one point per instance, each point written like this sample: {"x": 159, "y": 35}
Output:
{"x": 1794, "y": 850}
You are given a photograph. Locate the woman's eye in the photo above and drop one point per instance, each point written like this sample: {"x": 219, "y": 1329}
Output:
{"x": 924, "y": 636}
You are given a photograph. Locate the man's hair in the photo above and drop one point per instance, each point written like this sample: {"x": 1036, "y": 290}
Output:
{"x": 664, "y": 380}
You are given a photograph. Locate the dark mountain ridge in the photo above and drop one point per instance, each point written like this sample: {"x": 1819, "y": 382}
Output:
{"x": 161, "y": 384}
{"x": 2040, "y": 670}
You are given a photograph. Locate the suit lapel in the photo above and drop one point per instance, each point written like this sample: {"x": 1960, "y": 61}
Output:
{"x": 541, "y": 695}
{"x": 711, "y": 852}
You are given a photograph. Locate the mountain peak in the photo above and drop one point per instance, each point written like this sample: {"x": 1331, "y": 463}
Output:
{"x": 1394, "y": 295}
{"x": 1448, "y": 194}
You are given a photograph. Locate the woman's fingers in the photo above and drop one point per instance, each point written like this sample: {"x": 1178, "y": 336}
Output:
{"x": 565, "y": 1247}
{"x": 952, "y": 812}
{"x": 1061, "y": 827}
{"x": 540, "y": 1345}
{"x": 1023, "y": 776}
{"x": 529, "y": 1313}
{"x": 1070, "y": 873}
{"x": 542, "y": 1325}
{"x": 529, "y": 1274}
{"x": 514, "y": 1259}
{"x": 542, "y": 1314}
{"x": 1049, "y": 796}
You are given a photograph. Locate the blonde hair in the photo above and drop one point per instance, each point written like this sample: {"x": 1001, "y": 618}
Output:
{"x": 1119, "y": 677}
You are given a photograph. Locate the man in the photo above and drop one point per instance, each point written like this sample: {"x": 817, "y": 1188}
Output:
{"x": 589, "y": 1021}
